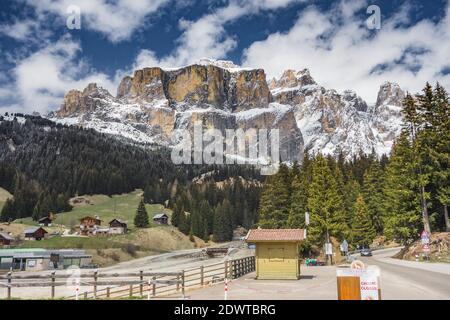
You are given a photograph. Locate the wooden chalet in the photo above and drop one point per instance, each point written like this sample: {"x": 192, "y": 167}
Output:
{"x": 45, "y": 222}
{"x": 117, "y": 226}
{"x": 37, "y": 233}
{"x": 5, "y": 239}
{"x": 161, "y": 218}
{"x": 89, "y": 224}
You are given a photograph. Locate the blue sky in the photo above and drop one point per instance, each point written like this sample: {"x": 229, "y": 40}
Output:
{"x": 41, "y": 58}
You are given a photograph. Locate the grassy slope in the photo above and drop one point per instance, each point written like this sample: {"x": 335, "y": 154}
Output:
{"x": 103, "y": 206}
{"x": 108, "y": 250}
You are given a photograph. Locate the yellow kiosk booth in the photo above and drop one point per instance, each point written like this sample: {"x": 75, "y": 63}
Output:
{"x": 277, "y": 252}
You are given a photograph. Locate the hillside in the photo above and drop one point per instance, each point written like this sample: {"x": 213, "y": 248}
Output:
{"x": 107, "y": 208}
{"x": 108, "y": 250}
{"x": 439, "y": 249}
{"x": 4, "y": 195}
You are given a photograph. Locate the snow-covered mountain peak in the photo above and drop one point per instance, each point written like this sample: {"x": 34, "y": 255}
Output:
{"x": 292, "y": 79}
{"x": 390, "y": 93}
{"x": 154, "y": 102}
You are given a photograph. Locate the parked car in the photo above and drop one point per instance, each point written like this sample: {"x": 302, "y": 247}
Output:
{"x": 366, "y": 252}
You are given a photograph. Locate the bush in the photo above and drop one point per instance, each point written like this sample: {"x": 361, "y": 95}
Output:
{"x": 131, "y": 249}
{"x": 115, "y": 256}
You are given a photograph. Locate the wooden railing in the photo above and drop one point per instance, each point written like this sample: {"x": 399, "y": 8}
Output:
{"x": 136, "y": 284}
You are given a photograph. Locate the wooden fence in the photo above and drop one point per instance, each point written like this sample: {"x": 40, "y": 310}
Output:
{"x": 136, "y": 284}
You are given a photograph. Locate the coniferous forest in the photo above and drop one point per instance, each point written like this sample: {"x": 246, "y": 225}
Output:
{"x": 44, "y": 164}
{"x": 396, "y": 196}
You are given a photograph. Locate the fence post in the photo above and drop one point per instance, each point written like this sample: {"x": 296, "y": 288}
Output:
{"x": 154, "y": 286}
{"x": 131, "y": 290}
{"x": 182, "y": 283}
{"x": 9, "y": 284}
{"x": 53, "y": 284}
{"x": 226, "y": 269}
{"x": 202, "y": 275}
{"x": 233, "y": 269}
{"x": 95, "y": 283}
{"x": 141, "y": 286}
{"x": 178, "y": 282}
{"x": 108, "y": 292}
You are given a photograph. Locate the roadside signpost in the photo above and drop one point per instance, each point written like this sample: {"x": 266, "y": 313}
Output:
{"x": 425, "y": 239}
{"x": 344, "y": 247}
{"x": 328, "y": 249}
{"x": 329, "y": 252}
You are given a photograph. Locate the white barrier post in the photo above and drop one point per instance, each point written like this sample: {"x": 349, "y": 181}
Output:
{"x": 148, "y": 292}
{"x": 77, "y": 288}
{"x": 226, "y": 289}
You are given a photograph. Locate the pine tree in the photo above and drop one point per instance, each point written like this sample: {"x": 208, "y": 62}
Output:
{"x": 177, "y": 211}
{"x": 402, "y": 205}
{"x": 415, "y": 119}
{"x": 327, "y": 216}
{"x": 351, "y": 191}
{"x": 275, "y": 200}
{"x": 141, "y": 218}
{"x": 223, "y": 230}
{"x": 184, "y": 224}
{"x": 373, "y": 195}
{"x": 439, "y": 151}
{"x": 363, "y": 231}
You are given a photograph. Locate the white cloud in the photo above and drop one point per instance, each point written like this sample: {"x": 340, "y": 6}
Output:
{"x": 43, "y": 78}
{"x": 117, "y": 20}
{"x": 338, "y": 49}
{"x": 19, "y": 30}
{"x": 207, "y": 37}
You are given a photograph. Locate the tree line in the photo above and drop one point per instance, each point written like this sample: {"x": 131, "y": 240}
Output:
{"x": 44, "y": 164}
{"x": 211, "y": 207}
{"x": 396, "y": 196}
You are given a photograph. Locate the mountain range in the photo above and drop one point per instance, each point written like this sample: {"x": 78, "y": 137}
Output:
{"x": 152, "y": 103}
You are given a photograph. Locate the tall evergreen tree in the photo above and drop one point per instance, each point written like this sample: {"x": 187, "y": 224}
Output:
{"x": 327, "y": 217}
{"x": 223, "y": 230}
{"x": 402, "y": 205}
{"x": 275, "y": 200}
{"x": 414, "y": 122}
{"x": 141, "y": 218}
{"x": 439, "y": 152}
{"x": 373, "y": 195}
{"x": 363, "y": 231}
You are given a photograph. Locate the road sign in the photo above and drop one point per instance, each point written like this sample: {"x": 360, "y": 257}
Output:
{"x": 344, "y": 246}
{"x": 328, "y": 248}
{"x": 425, "y": 237}
{"x": 369, "y": 285}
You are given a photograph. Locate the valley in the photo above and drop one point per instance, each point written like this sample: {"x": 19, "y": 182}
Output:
{"x": 110, "y": 249}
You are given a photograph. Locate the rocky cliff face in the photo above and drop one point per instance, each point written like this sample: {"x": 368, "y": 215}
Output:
{"x": 201, "y": 85}
{"x": 332, "y": 122}
{"x": 154, "y": 102}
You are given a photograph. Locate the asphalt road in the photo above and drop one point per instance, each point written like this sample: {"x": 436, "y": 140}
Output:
{"x": 400, "y": 280}
{"x": 425, "y": 280}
